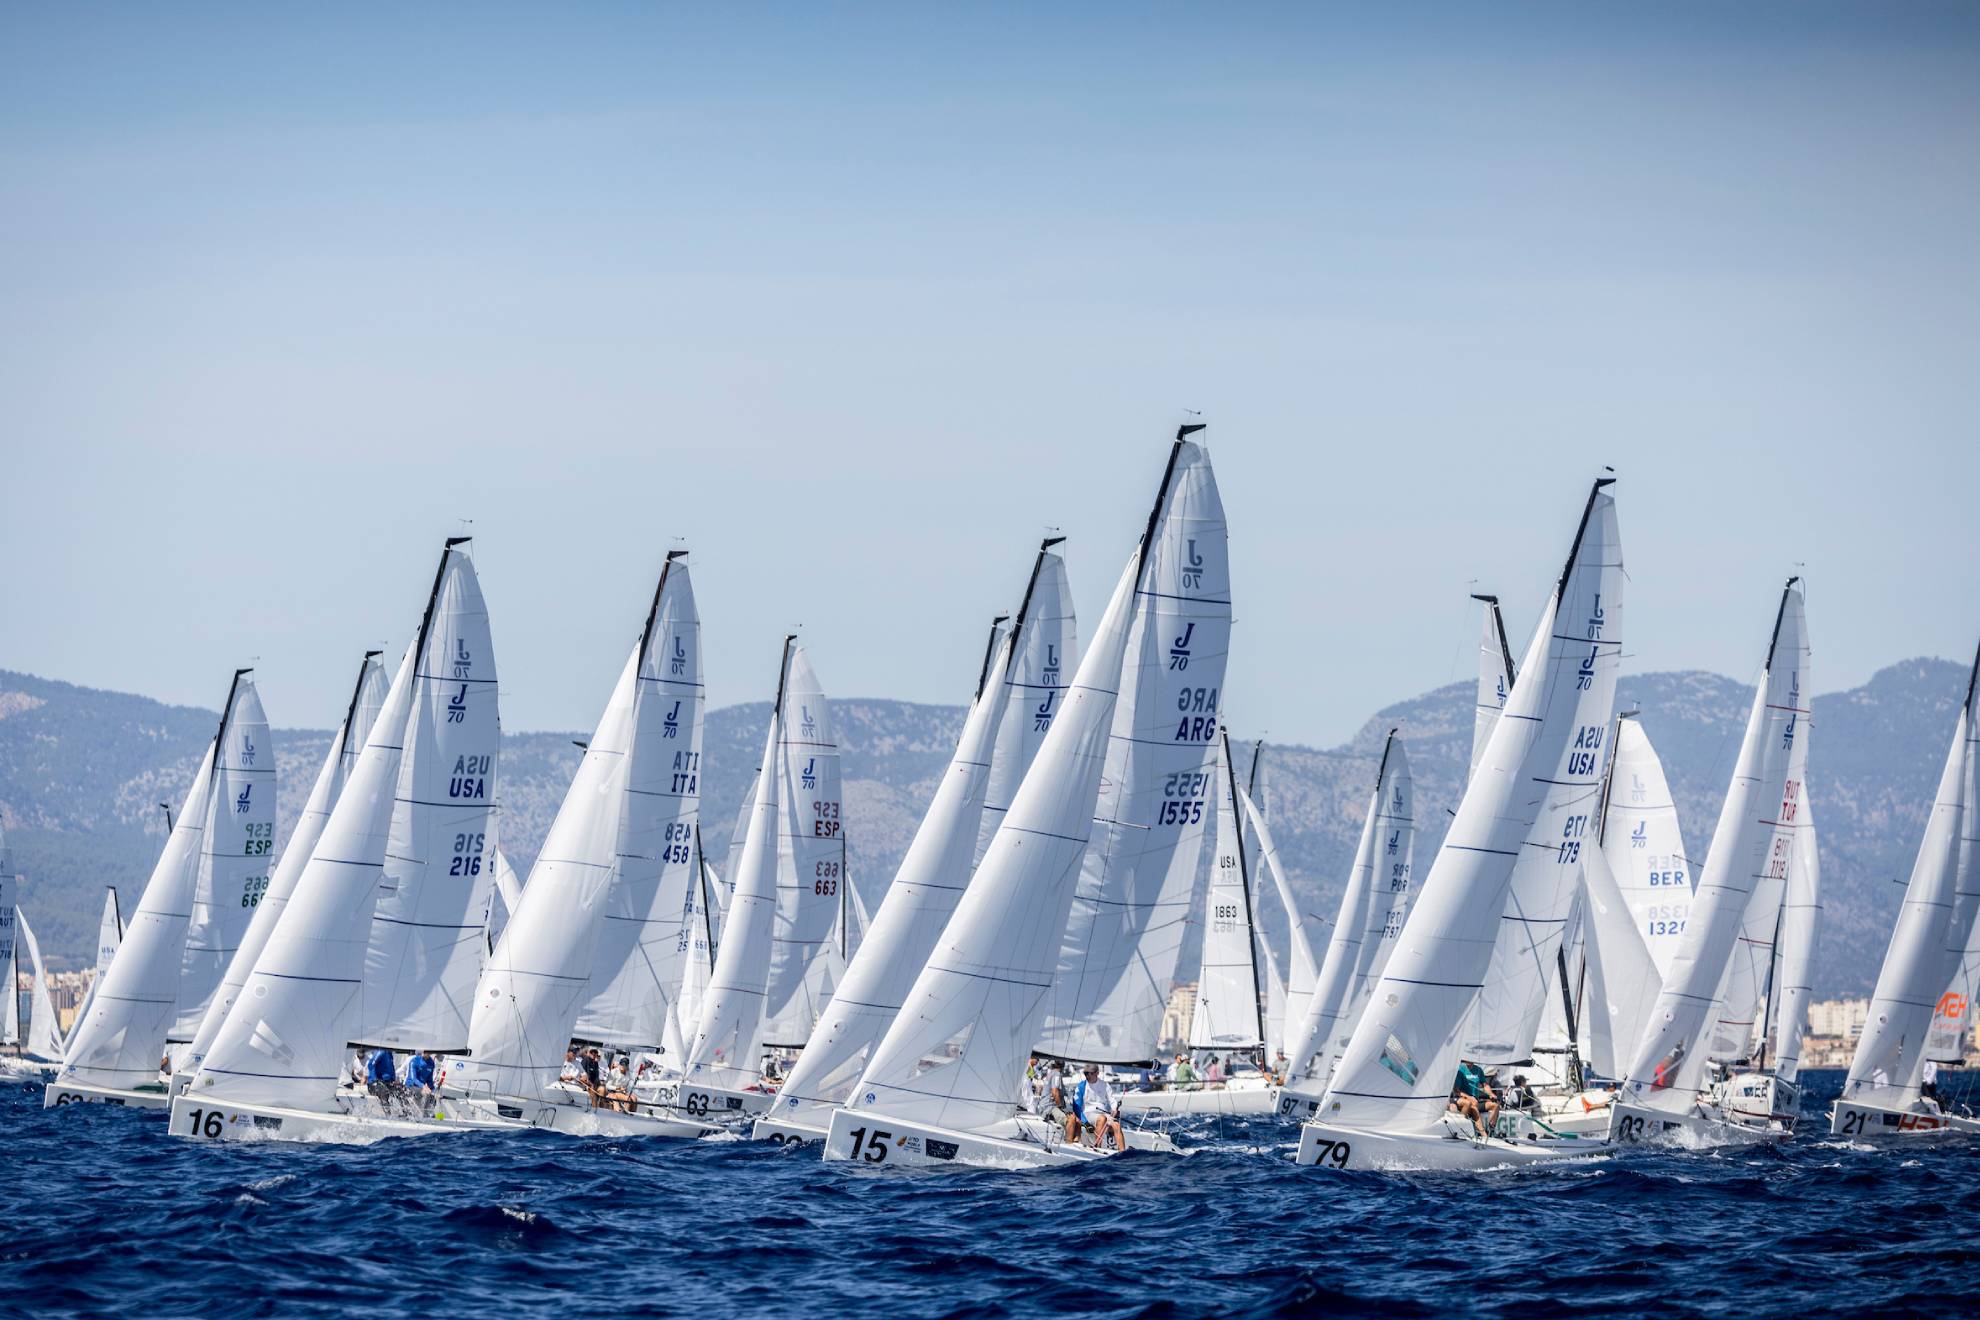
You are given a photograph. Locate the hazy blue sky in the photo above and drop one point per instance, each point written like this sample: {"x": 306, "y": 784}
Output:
{"x": 859, "y": 300}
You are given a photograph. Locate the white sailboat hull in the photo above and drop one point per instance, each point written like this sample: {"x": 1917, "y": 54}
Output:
{"x": 70, "y": 1093}
{"x": 783, "y": 1132}
{"x": 1028, "y": 1143}
{"x": 1255, "y": 1100}
{"x": 209, "y": 1120}
{"x": 1451, "y": 1150}
{"x": 1851, "y": 1118}
{"x": 570, "y": 1111}
{"x": 1700, "y": 1129}
{"x": 1583, "y": 1113}
{"x": 1300, "y": 1106}
{"x": 713, "y": 1103}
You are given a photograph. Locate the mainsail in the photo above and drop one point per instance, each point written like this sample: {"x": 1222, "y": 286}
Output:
{"x": 1495, "y": 677}
{"x": 1946, "y": 1042}
{"x": 811, "y": 852}
{"x": 237, "y": 847}
{"x": 1397, "y": 1068}
{"x": 1118, "y": 958}
{"x": 627, "y": 819}
{"x": 1643, "y": 844}
{"x": 723, "y": 1048}
{"x": 1033, "y": 686}
{"x": 1801, "y": 927}
{"x": 367, "y": 695}
{"x": 956, "y": 1051}
{"x": 1746, "y": 871}
{"x": 637, "y": 967}
{"x": 1622, "y": 979}
{"x": 1370, "y": 913}
{"x": 44, "y": 1035}
{"x": 1226, "y": 1016}
{"x": 109, "y": 934}
{"x": 427, "y": 932}
{"x": 918, "y": 905}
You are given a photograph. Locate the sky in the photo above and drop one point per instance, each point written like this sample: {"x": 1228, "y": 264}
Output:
{"x": 857, "y": 302}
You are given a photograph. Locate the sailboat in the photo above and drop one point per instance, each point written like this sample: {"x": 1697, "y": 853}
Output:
{"x": 1386, "y": 1104}
{"x": 606, "y": 889}
{"x": 191, "y": 916}
{"x": 1373, "y": 908}
{"x": 367, "y": 695}
{"x": 405, "y": 847}
{"x": 10, "y": 1012}
{"x": 943, "y": 1084}
{"x": 1018, "y": 692}
{"x": 109, "y": 934}
{"x": 722, "y": 1070}
{"x": 1703, "y": 1018}
{"x": 1924, "y": 967}
{"x": 43, "y": 1045}
{"x": 1228, "y": 1017}
{"x": 1288, "y": 988}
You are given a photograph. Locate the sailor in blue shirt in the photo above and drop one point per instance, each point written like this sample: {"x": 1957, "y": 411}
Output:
{"x": 420, "y": 1082}
{"x": 381, "y": 1078}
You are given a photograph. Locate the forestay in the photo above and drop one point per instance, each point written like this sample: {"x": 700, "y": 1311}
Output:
{"x": 1644, "y": 846}
{"x": 918, "y": 905}
{"x": 620, "y": 824}
{"x": 367, "y": 695}
{"x": 1227, "y": 992}
{"x": 1033, "y": 687}
{"x": 723, "y": 1048}
{"x": 122, "y": 1040}
{"x": 1890, "y": 1057}
{"x": 427, "y": 935}
{"x": 956, "y": 1051}
{"x": 1752, "y": 850}
{"x": 1495, "y": 677}
{"x": 1396, "y": 1071}
{"x": 637, "y": 967}
{"x": 1118, "y": 959}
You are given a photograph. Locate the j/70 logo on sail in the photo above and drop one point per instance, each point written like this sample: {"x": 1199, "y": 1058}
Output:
{"x": 241, "y": 802}
{"x": 672, "y": 724}
{"x": 1179, "y": 649}
{"x": 1192, "y": 575}
{"x": 457, "y": 707}
{"x": 463, "y": 658}
{"x": 1050, "y": 673}
{"x": 677, "y": 662}
{"x": 1041, "y": 717}
{"x": 247, "y": 749}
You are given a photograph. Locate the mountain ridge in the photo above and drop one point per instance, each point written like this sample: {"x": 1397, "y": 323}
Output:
{"x": 82, "y": 771}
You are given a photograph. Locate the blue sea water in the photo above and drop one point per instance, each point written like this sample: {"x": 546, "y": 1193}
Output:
{"x": 101, "y": 1211}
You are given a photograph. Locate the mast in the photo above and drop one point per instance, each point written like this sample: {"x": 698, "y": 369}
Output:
{"x": 653, "y": 610}
{"x": 166, "y": 807}
{"x": 220, "y": 734}
{"x": 1773, "y": 964}
{"x": 1499, "y": 626}
{"x": 1244, "y": 883}
{"x": 1161, "y": 497}
{"x": 1031, "y": 585}
{"x": 357, "y": 690}
{"x": 990, "y": 646}
{"x": 707, "y": 893}
{"x": 1251, "y": 786}
{"x": 433, "y": 598}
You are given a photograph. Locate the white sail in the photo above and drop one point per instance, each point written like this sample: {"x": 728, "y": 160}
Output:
{"x": 1390, "y": 887}
{"x": 1227, "y": 992}
{"x": 1289, "y": 990}
{"x": 697, "y": 952}
{"x": 44, "y": 1034}
{"x": 109, "y": 934}
{"x": 1396, "y": 1071}
{"x": 122, "y": 1040}
{"x": 10, "y": 1012}
{"x": 237, "y": 849}
{"x": 1953, "y": 1012}
{"x": 286, "y": 1041}
{"x": 1495, "y": 677}
{"x": 1378, "y": 879}
{"x": 918, "y": 905}
{"x": 366, "y": 697}
{"x": 636, "y": 970}
{"x": 1622, "y": 979}
{"x": 1034, "y": 683}
{"x": 619, "y": 826}
{"x": 1118, "y": 959}
{"x": 1747, "y": 868}
{"x": 1644, "y": 845}
{"x": 811, "y": 854}
{"x": 1801, "y": 927}
{"x": 724, "y": 1048}
{"x": 427, "y": 932}
{"x": 1894, "y": 1046}
{"x": 957, "y": 1049}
